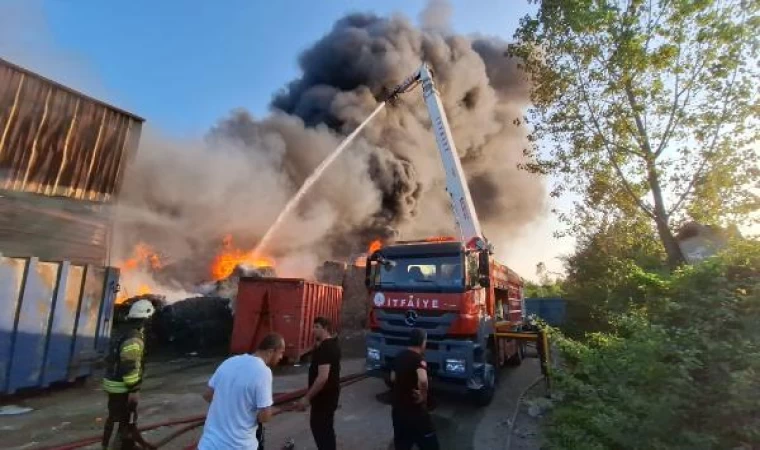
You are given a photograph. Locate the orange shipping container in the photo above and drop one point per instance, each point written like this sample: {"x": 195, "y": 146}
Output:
{"x": 286, "y": 306}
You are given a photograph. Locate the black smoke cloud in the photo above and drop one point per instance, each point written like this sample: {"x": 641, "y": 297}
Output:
{"x": 388, "y": 183}
{"x": 483, "y": 92}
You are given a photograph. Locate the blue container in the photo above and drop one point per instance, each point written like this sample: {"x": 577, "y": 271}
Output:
{"x": 56, "y": 321}
{"x": 550, "y": 310}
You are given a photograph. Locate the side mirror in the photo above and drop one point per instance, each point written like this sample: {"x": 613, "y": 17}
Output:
{"x": 368, "y": 274}
{"x": 484, "y": 269}
{"x": 484, "y": 264}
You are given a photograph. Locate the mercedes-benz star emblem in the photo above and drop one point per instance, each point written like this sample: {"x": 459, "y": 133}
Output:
{"x": 411, "y": 318}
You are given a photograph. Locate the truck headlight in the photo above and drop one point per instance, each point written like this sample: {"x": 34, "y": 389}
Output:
{"x": 373, "y": 354}
{"x": 456, "y": 365}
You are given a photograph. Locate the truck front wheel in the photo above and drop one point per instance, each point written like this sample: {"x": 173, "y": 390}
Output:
{"x": 484, "y": 395}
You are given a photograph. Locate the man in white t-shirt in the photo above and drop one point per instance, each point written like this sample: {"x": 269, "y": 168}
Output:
{"x": 240, "y": 393}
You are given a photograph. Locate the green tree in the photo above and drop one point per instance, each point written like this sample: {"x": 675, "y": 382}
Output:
{"x": 609, "y": 271}
{"x": 648, "y": 107}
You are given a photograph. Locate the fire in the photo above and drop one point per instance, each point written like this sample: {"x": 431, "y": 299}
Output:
{"x": 440, "y": 239}
{"x": 145, "y": 258}
{"x": 374, "y": 246}
{"x": 361, "y": 260}
{"x": 230, "y": 257}
{"x": 142, "y": 256}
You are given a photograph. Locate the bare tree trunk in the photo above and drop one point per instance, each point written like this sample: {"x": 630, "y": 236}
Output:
{"x": 672, "y": 249}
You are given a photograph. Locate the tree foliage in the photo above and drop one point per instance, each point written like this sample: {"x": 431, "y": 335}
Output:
{"x": 681, "y": 372}
{"x": 647, "y": 106}
{"x": 549, "y": 289}
{"x": 610, "y": 272}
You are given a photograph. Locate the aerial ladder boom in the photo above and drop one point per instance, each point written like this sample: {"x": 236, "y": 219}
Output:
{"x": 456, "y": 184}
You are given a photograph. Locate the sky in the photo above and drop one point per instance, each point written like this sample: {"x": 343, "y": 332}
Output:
{"x": 183, "y": 64}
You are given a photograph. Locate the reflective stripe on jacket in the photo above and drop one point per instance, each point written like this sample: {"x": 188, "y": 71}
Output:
{"x": 125, "y": 368}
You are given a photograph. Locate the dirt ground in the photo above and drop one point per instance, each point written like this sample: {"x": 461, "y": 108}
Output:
{"x": 526, "y": 433}
{"x": 172, "y": 391}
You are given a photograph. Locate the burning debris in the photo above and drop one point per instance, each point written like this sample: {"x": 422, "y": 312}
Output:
{"x": 232, "y": 259}
{"x": 143, "y": 272}
{"x": 227, "y": 287}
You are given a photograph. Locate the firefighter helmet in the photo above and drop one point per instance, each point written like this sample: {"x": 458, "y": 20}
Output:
{"x": 141, "y": 309}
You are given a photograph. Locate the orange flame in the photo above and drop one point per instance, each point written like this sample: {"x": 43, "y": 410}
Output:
{"x": 440, "y": 239}
{"x": 143, "y": 256}
{"x": 374, "y": 246}
{"x": 230, "y": 257}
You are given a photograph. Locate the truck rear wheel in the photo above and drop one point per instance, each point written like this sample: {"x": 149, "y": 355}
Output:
{"x": 517, "y": 358}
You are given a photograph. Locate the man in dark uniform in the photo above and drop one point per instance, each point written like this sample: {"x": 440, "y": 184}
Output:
{"x": 412, "y": 424}
{"x": 324, "y": 385}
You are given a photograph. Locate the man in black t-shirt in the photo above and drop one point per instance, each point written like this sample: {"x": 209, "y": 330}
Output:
{"x": 412, "y": 424}
{"x": 324, "y": 385}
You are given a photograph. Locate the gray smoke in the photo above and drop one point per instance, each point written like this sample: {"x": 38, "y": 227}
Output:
{"x": 483, "y": 93}
{"x": 183, "y": 197}
{"x": 436, "y": 16}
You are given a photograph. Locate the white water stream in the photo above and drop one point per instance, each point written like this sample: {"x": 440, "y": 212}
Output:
{"x": 310, "y": 181}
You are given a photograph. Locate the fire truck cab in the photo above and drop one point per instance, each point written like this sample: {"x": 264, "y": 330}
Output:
{"x": 460, "y": 297}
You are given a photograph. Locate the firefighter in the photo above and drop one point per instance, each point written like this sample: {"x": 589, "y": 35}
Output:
{"x": 124, "y": 373}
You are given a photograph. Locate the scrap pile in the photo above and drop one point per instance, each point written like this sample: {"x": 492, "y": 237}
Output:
{"x": 195, "y": 325}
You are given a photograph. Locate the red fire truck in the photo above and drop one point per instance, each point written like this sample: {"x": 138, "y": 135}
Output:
{"x": 452, "y": 288}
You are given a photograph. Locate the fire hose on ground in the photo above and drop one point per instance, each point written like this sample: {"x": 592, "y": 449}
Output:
{"x": 193, "y": 422}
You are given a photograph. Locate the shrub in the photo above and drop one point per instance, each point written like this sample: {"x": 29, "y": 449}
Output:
{"x": 681, "y": 370}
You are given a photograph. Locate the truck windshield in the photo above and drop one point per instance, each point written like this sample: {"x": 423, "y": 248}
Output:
{"x": 421, "y": 274}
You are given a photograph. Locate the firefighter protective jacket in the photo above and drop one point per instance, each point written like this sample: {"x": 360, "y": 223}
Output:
{"x": 125, "y": 362}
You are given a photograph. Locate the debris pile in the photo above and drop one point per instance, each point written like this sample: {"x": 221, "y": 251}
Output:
{"x": 351, "y": 277}
{"x": 227, "y": 287}
{"x": 201, "y": 324}
{"x": 196, "y": 325}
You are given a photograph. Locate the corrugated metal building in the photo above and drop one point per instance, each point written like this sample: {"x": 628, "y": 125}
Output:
{"x": 62, "y": 161}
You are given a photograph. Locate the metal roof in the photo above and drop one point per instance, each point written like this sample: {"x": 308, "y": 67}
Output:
{"x": 68, "y": 89}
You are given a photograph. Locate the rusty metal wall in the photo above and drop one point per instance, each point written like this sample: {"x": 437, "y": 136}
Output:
{"x": 57, "y": 142}
{"x": 55, "y": 322}
{"x": 283, "y": 305}
{"x": 54, "y": 228}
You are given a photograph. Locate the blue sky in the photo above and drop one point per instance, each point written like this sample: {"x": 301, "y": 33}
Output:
{"x": 183, "y": 64}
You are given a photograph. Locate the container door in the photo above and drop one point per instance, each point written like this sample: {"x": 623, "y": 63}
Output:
{"x": 87, "y": 322}
{"x": 252, "y": 319}
{"x": 62, "y": 328}
{"x": 11, "y": 279}
{"x": 105, "y": 321}
{"x": 32, "y": 325}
